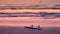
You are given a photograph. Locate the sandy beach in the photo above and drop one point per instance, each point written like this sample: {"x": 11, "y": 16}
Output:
{"x": 22, "y": 30}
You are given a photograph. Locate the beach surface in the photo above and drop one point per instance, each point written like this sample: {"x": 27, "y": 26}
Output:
{"x": 22, "y": 30}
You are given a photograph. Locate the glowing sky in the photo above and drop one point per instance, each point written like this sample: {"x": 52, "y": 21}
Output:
{"x": 29, "y": 1}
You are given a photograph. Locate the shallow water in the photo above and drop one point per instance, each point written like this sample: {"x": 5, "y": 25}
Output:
{"x": 26, "y": 21}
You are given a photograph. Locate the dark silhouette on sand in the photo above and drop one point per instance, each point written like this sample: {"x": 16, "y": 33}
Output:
{"x": 32, "y": 27}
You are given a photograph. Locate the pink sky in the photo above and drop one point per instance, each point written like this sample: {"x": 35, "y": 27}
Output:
{"x": 29, "y": 1}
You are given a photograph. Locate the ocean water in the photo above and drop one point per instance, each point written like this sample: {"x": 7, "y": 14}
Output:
{"x": 22, "y": 30}
{"x": 27, "y": 21}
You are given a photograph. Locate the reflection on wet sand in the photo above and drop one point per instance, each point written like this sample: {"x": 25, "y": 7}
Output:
{"x": 26, "y": 21}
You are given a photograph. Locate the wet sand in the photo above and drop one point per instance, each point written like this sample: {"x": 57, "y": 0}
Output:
{"x": 22, "y": 30}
